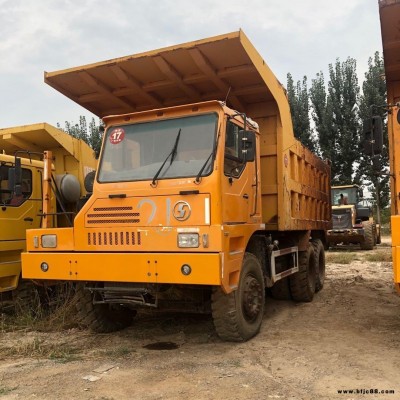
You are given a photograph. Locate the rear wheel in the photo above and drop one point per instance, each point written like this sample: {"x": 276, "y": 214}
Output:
{"x": 238, "y": 315}
{"x": 319, "y": 254}
{"x": 369, "y": 233}
{"x": 302, "y": 283}
{"x": 281, "y": 290}
{"x": 100, "y": 318}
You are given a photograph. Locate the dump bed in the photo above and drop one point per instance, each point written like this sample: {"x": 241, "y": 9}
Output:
{"x": 295, "y": 183}
{"x": 70, "y": 155}
{"x": 390, "y": 23}
{"x": 389, "y": 11}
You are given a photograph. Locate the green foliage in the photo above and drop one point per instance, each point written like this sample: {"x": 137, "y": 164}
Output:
{"x": 335, "y": 117}
{"x": 372, "y": 103}
{"x": 91, "y": 134}
{"x": 300, "y": 109}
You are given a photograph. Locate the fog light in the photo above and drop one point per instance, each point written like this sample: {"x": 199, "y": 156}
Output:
{"x": 186, "y": 269}
{"x": 44, "y": 266}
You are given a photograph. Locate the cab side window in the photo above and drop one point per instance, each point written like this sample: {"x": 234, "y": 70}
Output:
{"x": 233, "y": 165}
{"x": 7, "y": 194}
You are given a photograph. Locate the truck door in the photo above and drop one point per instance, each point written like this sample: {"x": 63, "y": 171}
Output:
{"x": 19, "y": 212}
{"x": 238, "y": 182}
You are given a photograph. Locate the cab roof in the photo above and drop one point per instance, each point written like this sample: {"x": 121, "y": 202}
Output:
{"x": 216, "y": 68}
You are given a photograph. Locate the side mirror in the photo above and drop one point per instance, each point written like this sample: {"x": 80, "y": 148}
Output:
{"x": 247, "y": 143}
{"x": 15, "y": 177}
{"x": 398, "y": 116}
{"x": 360, "y": 193}
{"x": 373, "y": 136}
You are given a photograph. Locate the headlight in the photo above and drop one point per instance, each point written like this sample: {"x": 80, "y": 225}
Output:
{"x": 49, "y": 241}
{"x": 188, "y": 240}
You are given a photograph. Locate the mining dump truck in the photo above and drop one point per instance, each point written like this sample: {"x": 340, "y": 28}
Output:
{"x": 352, "y": 221}
{"x": 21, "y": 194}
{"x": 202, "y": 199}
{"x": 389, "y": 11}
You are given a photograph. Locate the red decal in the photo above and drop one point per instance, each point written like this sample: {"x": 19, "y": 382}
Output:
{"x": 117, "y": 136}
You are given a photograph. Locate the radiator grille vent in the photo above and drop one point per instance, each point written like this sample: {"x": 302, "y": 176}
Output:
{"x": 112, "y": 215}
{"x": 113, "y": 238}
{"x": 112, "y": 208}
{"x": 113, "y": 221}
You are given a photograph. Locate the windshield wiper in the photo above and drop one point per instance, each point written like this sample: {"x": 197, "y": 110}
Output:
{"x": 197, "y": 180}
{"x": 172, "y": 154}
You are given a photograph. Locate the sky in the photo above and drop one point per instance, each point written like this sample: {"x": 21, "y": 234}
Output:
{"x": 300, "y": 37}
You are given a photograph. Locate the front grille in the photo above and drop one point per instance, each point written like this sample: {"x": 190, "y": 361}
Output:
{"x": 119, "y": 238}
{"x": 342, "y": 221}
{"x": 112, "y": 215}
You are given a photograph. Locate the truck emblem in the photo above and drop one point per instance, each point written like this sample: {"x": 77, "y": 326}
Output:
{"x": 182, "y": 211}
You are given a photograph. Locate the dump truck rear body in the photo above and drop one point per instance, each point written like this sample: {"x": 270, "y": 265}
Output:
{"x": 21, "y": 212}
{"x": 192, "y": 193}
{"x": 390, "y": 20}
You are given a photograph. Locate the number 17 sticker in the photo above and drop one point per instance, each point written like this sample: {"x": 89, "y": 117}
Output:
{"x": 117, "y": 136}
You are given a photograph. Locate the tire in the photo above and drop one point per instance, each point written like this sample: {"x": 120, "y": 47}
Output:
{"x": 319, "y": 254}
{"x": 27, "y": 298}
{"x": 302, "y": 283}
{"x": 281, "y": 290}
{"x": 238, "y": 315}
{"x": 100, "y": 318}
{"x": 378, "y": 236}
{"x": 369, "y": 234}
{"x": 374, "y": 233}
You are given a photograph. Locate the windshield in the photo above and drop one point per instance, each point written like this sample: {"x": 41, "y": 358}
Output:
{"x": 344, "y": 196}
{"x": 137, "y": 152}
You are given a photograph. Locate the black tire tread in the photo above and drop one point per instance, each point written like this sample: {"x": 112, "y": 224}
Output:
{"x": 226, "y": 310}
{"x": 99, "y": 317}
{"x": 319, "y": 253}
{"x": 300, "y": 281}
{"x": 368, "y": 243}
{"x": 281, "y": 290}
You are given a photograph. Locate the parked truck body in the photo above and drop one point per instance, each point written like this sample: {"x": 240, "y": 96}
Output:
{"x": 195, "y": 206}
{"x": 352, "y": 220}
{"x": 390, "y": 21}
{"x": 22, "y": 211}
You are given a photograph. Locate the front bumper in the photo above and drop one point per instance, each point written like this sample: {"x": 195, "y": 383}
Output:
{"x": 206, "y": 268}
{"x": 350, "y": 235}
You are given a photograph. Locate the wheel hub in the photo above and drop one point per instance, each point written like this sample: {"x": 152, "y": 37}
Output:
{"x": 252, "y": 298}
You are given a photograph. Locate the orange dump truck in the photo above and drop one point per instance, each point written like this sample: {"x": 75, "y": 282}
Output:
{"x": 203, "y": 198}
{"x": 390, "y": 22}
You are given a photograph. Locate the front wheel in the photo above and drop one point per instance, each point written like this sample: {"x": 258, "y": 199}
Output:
{"x": 238, "y": 315}
{"x": 369, "y": 234}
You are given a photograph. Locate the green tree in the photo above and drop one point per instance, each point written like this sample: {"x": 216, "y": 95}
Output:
{"x": 91, "y": 134}
{"x": 335, "y": 117}
{"x": 344, "y": 92}
{"x": 372, "y": 103}
{"x": 322, "y": 115}
{"x": 300, "y": 110}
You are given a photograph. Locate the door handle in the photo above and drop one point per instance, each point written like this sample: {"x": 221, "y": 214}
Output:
{"x": 28, "y": 219}
{"x": 246, "y": 196}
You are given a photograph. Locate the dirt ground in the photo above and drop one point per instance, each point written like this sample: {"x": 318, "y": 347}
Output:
{"x": 348, "y": 338}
